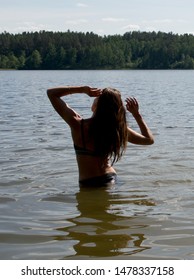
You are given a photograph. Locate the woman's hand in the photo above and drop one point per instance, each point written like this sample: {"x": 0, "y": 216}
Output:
{"x": 132, "y": 105}
{"x": 92, "y": 92}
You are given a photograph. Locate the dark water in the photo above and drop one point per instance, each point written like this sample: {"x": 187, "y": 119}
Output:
{"x": 44, "y": 214}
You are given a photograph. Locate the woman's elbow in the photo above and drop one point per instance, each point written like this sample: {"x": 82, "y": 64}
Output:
{"x": 49, "y": 93}
{"x": 151, "y": 141}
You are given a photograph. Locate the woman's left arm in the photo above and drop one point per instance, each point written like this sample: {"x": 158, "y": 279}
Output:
{"x": 146, "y": 137}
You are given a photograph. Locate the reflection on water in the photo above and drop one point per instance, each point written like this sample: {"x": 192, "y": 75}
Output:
{"x": 98, "y": 231}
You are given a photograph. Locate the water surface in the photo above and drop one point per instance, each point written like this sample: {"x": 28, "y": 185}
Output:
{"x": 44, "y": 214}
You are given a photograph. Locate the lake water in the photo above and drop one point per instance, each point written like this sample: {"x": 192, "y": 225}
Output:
{"x": 148, "y": 214}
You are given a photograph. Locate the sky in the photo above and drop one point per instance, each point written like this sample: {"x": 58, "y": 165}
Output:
{"x": 103, "y": 17}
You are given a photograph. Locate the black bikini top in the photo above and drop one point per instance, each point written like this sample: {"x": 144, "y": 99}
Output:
{"x": 82, "y": 150}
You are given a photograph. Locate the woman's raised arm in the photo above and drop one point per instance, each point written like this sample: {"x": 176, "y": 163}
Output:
{"x": 67, "y": 113}
{"x": 146, "y": 137}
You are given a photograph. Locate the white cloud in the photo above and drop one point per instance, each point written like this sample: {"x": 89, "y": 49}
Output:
{"x": 76, "y": 22}
{"x": 163, "y": 20}
{"x": 111, "y": 19}
{"x": 131, "y": 27}
{"x": 81, "y": 5}
{"x": 158, "y": 21}
{"x": 100, "y": 31}
{"x": 25, "y": 26}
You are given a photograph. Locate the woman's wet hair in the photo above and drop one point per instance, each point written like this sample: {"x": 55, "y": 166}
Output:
{"x": 109, "y": 126}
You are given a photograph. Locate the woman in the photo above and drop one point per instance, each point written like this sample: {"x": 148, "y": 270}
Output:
{"x": 100, "y": 141}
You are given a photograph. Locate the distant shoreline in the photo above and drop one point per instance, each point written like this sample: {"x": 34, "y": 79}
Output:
{"x": 26, "y": 70}
{"x": 88, "y": 51}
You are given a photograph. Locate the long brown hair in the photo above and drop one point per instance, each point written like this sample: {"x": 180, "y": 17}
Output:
{"x": 109, "y": 126}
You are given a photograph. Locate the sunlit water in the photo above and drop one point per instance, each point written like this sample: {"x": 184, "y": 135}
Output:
{"x": 148, "y": 214}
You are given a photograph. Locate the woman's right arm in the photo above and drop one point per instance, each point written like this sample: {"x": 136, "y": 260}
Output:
{"x": 67, "y": 113}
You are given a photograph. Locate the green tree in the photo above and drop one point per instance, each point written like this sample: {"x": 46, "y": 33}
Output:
{"x": 77, "y": 50}
{"x": 50, "y": 61}
{"x": 13, "y": 61}
{"x": 62, "y": 58}
{"x": 71, "y": 57}
{"x": 22, "y": 60}
{"x": 4, "y": 62}
{"x": 34, "y": 61}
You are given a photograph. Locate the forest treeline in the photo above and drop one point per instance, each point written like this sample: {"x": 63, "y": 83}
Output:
{"x": 77, "y": 50}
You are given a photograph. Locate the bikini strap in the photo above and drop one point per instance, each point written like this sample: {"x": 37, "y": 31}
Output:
{"x": 82, "y": 133}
